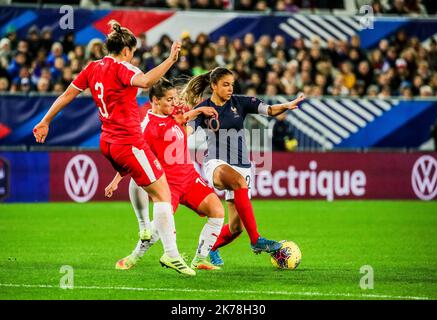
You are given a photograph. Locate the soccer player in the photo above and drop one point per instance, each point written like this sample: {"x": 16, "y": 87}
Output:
{"x": 114, "y": 83}
{"x": 226, "y": 165}
{"x": 168, "y": 140}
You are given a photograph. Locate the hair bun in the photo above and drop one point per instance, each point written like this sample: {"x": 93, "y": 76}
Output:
{"x": 115, "y": 26}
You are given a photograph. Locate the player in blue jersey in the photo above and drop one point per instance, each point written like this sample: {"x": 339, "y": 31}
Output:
{"x": 227, "y": 166}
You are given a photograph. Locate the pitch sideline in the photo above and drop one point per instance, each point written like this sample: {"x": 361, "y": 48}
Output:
{"x": 302, "y": 293}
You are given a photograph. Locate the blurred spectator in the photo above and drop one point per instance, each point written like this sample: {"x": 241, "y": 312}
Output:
{"x": 5, "y": 52}
{"x": 207, "y": 4}
{"x": 33, "y": 39}
{"x": 4, "y": 84}
{"x": 244, "y": 5}
{"x": 282, "y": 135}
{"x": 59, "y": 88}
{"x": 57, "y": 51}
{"x": 426, "y": 91}
{"x": 43, "y": 85}
{"x": 287, "y": 6}
{"x": 373, "y": 91}
{"x": 406, "y": 91}
{"x": 94, "y": 50}
{"x": 16, "y": 64}
{"x": 398, "y": 8}
{"x": 46, "y": 41}
{"x": 68, "y": 43}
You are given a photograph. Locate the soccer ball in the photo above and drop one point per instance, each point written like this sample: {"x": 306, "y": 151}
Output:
{"x": 288, "y": 257}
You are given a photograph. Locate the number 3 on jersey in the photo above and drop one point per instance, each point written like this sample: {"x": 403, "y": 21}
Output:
{"x": 103, "y": 110}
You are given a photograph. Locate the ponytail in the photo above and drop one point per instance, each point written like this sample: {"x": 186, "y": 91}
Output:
{"x": 193, "y": 92}
{"x": 119, "y": 38}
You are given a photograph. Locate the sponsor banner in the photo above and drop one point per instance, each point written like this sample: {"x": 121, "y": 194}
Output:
{"x": 82, "y": 177}
{"x": 24, "y": 176}
{"x": 346, "y": 175}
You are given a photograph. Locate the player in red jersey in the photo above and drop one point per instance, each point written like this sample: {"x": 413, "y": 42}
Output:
{"x": 114, "y": 83}
{"x": 168, "y": 140}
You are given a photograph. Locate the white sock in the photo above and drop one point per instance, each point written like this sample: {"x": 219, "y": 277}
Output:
{"x": 140, "y": 202}
{"x": 143, "y": 246}
{"x": 208, "y": 236}
{"x": 164, "y": 223}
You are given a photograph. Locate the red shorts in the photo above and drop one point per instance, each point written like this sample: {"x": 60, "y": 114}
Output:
{"x": 191, "y": 193}
{"x": 137, "y": 161}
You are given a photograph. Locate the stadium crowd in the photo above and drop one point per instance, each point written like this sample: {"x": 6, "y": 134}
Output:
{"x": 380, "y": 7}
{"x": 399, "y": 66}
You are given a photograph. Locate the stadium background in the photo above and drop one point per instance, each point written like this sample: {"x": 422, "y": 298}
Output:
{"x": 367, "y": 130}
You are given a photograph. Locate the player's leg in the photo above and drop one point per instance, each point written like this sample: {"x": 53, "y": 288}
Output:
{"x": 141, "y": 248}
{"x": 163, "y": 219}
{"x": 140, "y": 203}
{"x": 226, "y": 177}
{"x": 212, "y": 208}
{"x": 148, "y": 235}
{"x": 148, "y": 174}
{"x": 229, "y": 233}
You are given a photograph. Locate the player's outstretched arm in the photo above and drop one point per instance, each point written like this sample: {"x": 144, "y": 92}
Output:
{"x": 277, "y": 109}
{"x": 146, "y": 81}
{"x": 41, "y": 130}
{"x": 206, "y": 111}
{"x": 110, "y": 189}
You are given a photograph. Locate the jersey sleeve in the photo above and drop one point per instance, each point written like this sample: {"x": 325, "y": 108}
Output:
{"x": 81, "y": 81}
{"x": 252, "y": 105}
{"x": 127, "y": 72}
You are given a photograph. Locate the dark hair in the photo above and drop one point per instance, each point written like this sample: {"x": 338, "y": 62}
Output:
{"x": 159, "y": 89}
{"x": 119, "y": 38}
{"x": 193, "y": 92}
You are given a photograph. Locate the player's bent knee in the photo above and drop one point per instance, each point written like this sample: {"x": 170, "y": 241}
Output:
{"x": 212, "y": 207}
{"x": 159, "y": 191}
{"x": 238, "y": 183}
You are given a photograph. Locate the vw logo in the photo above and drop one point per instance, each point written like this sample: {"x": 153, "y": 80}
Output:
{"x": 424, "y": 177}
{"x": 81, "y": 178}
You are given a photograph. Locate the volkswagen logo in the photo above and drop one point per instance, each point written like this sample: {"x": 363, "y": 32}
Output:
{"x": 81, "y": 178}
{"x": 424, "y": 177}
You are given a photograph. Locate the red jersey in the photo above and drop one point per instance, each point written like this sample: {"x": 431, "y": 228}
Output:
{"x": 168, "y": 141}
{"x": 110, "y": 83}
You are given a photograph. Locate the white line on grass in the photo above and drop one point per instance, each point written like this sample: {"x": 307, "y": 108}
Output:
{"x": 287, "y": 293}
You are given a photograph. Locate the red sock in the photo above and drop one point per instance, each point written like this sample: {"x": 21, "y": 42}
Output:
{"x": 245, "y": 212}
{"x": 225, "y": 237}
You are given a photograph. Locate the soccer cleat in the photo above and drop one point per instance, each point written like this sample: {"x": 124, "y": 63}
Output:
{"x": 145, "y": 235}
{"x": 215, "y": 258}
{"x": 203, "y": 264}
{"x": 177, "y": 264}
{"x": 266, "y": 245}
{"x": 127, "y": 263}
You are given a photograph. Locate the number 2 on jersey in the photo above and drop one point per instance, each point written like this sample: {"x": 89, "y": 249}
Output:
{"x": 104, "y": 112}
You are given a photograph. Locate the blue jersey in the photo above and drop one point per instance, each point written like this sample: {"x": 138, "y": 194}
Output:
{"x": 225, "y": 136}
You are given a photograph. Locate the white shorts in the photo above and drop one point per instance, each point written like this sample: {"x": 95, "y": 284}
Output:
{"x": 210, "y": 166}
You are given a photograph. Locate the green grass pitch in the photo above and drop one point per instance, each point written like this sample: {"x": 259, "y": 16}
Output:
{"x": 398, "y": 239}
